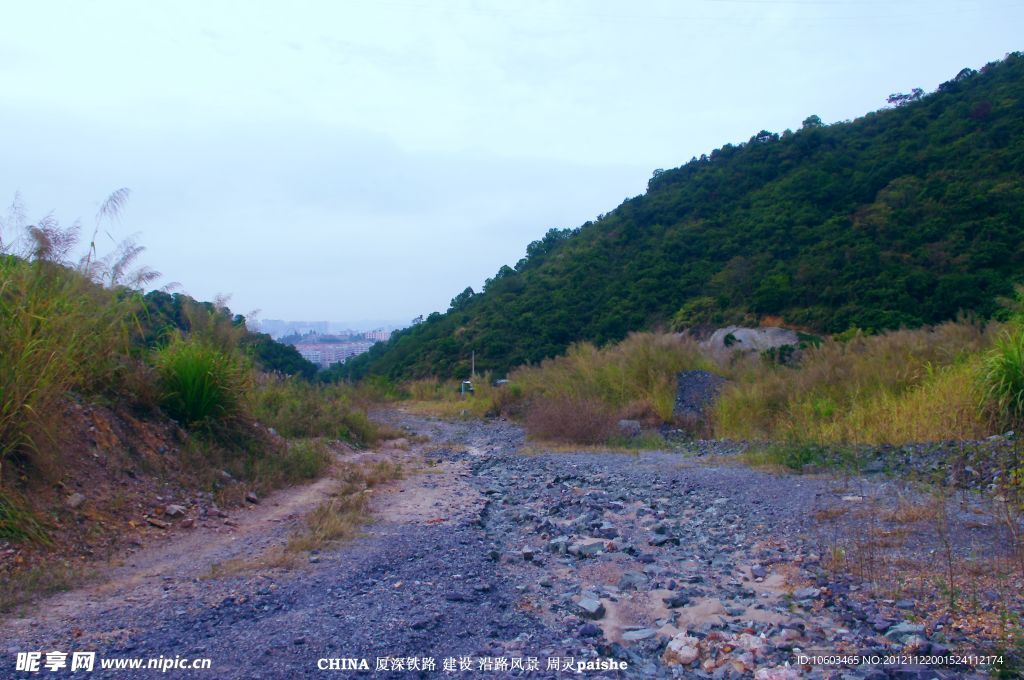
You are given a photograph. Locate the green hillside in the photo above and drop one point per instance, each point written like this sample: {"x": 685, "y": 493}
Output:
{"x": 903, "y": 217}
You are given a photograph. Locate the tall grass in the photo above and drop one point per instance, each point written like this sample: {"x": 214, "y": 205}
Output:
{"x": 59, "y": 332}
{"x": 636, "y": 377}
{"x": 299, "y": 409}
{"x": 1003, "y": 374}
{"x": 891, "y": 388}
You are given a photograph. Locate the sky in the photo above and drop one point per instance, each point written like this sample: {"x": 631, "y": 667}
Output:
{"x": 364, "y": 159}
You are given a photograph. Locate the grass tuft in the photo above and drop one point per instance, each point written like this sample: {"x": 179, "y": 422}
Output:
{"x": 19, "y": 524}
{"x": 1003, "y": 376}
{"x": 201, "y": 383}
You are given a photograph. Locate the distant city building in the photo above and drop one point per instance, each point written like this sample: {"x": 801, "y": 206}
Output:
{"x": 379, "y": 335}
{"x": 277, "y": 328}
{"x": 325, "y": 354}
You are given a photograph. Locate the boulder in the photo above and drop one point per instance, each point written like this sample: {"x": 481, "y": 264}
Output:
{"x": 629, "y": 428}
{"x": 725, "y": 341}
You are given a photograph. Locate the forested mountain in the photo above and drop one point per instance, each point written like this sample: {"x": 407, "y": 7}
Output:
{"x": 903, "y": 217}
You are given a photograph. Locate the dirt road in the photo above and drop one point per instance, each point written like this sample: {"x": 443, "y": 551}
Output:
{"x": 488, "y": 562}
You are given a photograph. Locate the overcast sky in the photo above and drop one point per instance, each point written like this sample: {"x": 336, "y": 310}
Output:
{"x": 354, "y": 159}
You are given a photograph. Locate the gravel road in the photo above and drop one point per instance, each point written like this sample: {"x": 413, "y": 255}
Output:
{"x": 666, "y": 565}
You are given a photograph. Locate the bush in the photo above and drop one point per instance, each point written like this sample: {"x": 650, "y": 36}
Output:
{"x": 299, "y": 409}
{"x": 200, "y": 382}
{"x": 802, "y": 456}
{"x": 574, "y": 421}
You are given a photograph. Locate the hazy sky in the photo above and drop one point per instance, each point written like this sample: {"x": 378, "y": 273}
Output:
{"x": 360, "y": 159}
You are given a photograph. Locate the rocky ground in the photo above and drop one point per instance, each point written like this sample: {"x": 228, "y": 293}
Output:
{"x": 673, "y": 565}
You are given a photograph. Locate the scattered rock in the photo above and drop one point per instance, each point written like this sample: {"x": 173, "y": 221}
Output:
{"x": 806, "y": 593}
{"x": 251, "y": 497}
{"x": 682, "y": 650}
{"x": 639, "y": 634}
{"x": 158, "y": 523}
{"x": 587, "y": 547}
{"x": 174, "y": 511}
{"x": 633, "y": 580}
{"x": 74, "y": 501}
{"x": 590, "y": 608}
{"x": 904, "y": 630}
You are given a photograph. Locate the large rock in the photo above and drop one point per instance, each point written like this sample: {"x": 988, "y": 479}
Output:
{"x": 731, "y": 339}
{"x": 633, "y": 580}
{"x": 696, "y": 389}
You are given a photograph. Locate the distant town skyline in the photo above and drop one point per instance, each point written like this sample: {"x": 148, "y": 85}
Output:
{"x": 377, "y": 158}
{"x": 281, "y": 327}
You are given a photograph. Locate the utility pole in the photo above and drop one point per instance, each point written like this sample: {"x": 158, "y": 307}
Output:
{"x": 472, "y": 370}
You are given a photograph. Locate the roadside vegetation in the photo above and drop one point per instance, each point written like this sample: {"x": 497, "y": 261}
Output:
{"x": 959, "y": 380}
{"x": 79, "y": 336}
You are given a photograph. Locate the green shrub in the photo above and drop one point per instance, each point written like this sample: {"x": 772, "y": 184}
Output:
{"x": 801, "y": 456}
{"x": 1003, "y": 376}
{"x": 200, "y": 382}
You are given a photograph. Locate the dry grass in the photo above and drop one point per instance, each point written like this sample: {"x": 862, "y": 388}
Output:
{"x": 637, "y": 376}
{"x": 901, "y": 386}
{"x": 582, "y": 421}
{"x": 910, "y": 512}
